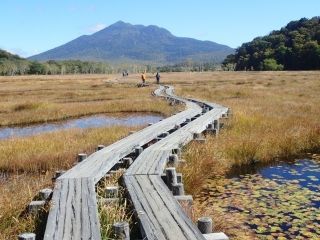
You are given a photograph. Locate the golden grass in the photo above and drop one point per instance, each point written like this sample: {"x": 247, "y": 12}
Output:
{"x": 35, "y": 99}
{"x": 38, "y": 157}
{"x": 16, "y": 193}
{"x": 110, "y": 213}
{"x": 54, "y": 150}
{"x": 275, "y": 115}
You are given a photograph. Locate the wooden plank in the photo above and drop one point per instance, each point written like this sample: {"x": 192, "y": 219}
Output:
{"x": 162, "y": 216}
{"x": 73, "y": 212}
{"x": 181, "y": 219}
{"x": 153, "y": 159}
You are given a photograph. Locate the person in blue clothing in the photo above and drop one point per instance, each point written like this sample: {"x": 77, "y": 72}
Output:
{"x": 158, "y": 77}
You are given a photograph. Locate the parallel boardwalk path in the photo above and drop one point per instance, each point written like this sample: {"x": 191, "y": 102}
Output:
{"x": 74, "y": 212}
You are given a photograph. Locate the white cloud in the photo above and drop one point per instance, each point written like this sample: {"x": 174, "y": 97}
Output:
{"x": 97, "y": 27}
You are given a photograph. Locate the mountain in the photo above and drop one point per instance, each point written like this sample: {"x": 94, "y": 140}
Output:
{"x": 123, "y": 42}
{"x": 293, "y": 47}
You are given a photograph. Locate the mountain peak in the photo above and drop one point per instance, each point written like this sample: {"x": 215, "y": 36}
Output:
{"x": 120, "y": 24}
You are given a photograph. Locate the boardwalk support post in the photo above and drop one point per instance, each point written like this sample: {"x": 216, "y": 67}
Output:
{"x": 127, "y": 162}
{"x": 171, "y": 177}
{"x": 177, "y": 189}
{"x": 138, "y": 151}
{"x": 57, "y": 174}
{"x": 179, "y": 177}
{"x": 176, "y": 151}
{"x": 198, "y": 138}
{"x": 205, "y": 225}
{"x": 44, "y": 194}
{"x": 100, "y": 147}
{"x": 111, "y": 192}
{"x": 81, "y": 157}
{"x": 173, "y": 159}
{"x": 121, "y": 230}
{"x": 35, "y": 206}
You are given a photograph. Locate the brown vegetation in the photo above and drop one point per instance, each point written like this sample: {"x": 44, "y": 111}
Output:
{"x": 275, "y": 115}
{"x": 35, "y": 99}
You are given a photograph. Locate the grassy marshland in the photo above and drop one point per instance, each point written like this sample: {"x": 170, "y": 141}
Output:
{"x": 35, "y": 99}
{"x": 31, "y": 161}
{"x": 275, "y": 116}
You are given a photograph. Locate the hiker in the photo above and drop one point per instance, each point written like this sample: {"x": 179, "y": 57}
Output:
{"x": 143, "y": 77}
{"x": 158, "y": 77}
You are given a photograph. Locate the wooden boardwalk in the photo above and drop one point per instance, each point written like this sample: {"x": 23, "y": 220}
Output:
{"x": 74, "y": 212}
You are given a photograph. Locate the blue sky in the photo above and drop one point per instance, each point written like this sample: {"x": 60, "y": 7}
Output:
{"x": 32, "y": 26}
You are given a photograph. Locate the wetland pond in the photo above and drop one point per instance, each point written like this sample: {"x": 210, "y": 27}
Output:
{"x": 95, "y": 121}
{"x": 279, "y": 201}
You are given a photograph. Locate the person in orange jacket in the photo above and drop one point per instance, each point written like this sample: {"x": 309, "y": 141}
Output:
{"x": 143, "y": 77}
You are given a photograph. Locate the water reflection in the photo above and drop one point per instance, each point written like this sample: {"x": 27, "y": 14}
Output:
{"x": 84, "y": 122}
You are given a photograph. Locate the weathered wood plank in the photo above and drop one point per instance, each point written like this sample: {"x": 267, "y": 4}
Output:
{"x": 73, "y": 213}
{"x": 160, "y": 216}
{"x": 153, "y": 160}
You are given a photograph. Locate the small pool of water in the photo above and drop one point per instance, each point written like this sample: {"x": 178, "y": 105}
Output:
{"x": 84, "y": 122}
{"x": 279, "y": 201}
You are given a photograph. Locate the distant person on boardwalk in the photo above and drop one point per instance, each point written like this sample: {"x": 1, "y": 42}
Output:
{"x": 158, "y": 77}
{"x": 143, "y": 78}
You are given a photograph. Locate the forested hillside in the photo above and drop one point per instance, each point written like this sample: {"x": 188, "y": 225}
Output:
{"x": 294, "y": 47}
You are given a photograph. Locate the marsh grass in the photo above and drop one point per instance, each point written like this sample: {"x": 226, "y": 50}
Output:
{"x": 276, "y": 116}
{"x": 110, "y": 213}
{"x": 16, "y": 193}
{"x": 31, "y": 162}
{"x": 273, "y": 122}
{"x": 56, "y": 150}
{"x": 32, "y": 99}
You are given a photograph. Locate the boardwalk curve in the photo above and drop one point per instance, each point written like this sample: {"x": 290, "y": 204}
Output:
{"x": 74, "y": 212}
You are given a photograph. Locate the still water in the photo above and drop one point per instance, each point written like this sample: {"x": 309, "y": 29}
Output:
{"x": 84, "y": 122}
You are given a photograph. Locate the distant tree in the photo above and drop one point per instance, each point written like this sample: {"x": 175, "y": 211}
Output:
{"x": 270, "y": 64}
{"x": 37, "y": 68}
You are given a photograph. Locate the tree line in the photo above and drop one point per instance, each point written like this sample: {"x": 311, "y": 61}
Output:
{"x": 190, "y": 66}
{"x": 14, "y": 65}
{"x": 11, "y": 65}
{"x": 294, "y": 47}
